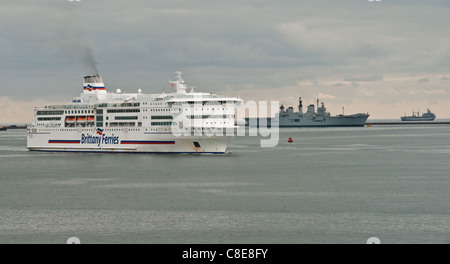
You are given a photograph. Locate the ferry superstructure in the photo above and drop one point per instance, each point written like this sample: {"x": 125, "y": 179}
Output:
{"x": 289, "y": 118}
{"x": 101, "y": 121}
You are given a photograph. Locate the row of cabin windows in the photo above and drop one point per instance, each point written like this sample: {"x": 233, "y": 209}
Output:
{"x": 49, "y": 118}
{"x": 127, "y": 124}
{"x": 145, "y": 103}
{"x": 162, "y": 117}
{"x": 207, "y": 109}
{"x": 47, "y": 125}
{"x": 86, "y": 130}
{"x": 121, "y": 129}
{"x": 119, "y": 124}
{"x": 100, "y": 111}
{"x": 125, "y": 118}
{"x": 156, "y": 129}
{"x": 100, "y": 117}
{"x": 50, "y": 112}
{"x": 78, "y": 111}
{"x": 119, "y": 105}
{"x": 217, "y": 103}
{"x": 61, "y": 112}
{"x": 158, "y": 110}
{"x": 215, "y": 123}
{"x": 123, "y": 110}
{"x": 209, "y": 116}
{"x": 123, "y": 124}
{"x": 162, "y": 123}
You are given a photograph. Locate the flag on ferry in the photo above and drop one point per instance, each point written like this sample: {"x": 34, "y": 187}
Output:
{"x": 99, "y": 131}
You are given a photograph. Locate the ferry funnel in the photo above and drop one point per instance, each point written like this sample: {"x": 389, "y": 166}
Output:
{"x": 93, "y": 84}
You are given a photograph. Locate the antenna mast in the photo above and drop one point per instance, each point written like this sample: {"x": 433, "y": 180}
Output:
{"x": 317, "y": 101}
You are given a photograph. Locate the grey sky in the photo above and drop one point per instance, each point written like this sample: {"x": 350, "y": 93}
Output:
{"x": 384, "y": 58}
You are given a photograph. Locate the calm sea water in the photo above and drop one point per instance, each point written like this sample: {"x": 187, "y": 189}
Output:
{"x": 332, "y": 185}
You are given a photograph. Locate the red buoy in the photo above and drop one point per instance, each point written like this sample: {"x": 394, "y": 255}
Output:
{"x": 290, "y": 140}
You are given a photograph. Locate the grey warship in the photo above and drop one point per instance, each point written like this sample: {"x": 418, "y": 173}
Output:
{"x": 321, "y": 118}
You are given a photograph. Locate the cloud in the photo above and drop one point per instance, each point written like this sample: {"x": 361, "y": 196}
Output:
{"x": 368, "y": 78}
{"x": 423, "y": 80}
{"x": 366, "y": 92}
{"x": 435, "y": 92}
{"x": 325, "y": 96}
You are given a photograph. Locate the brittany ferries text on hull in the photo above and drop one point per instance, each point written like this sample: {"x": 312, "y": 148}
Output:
{"x": 101, "y": 121}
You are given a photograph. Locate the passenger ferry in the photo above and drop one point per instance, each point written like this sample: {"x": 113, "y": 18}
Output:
{"x": 101, "y": 121}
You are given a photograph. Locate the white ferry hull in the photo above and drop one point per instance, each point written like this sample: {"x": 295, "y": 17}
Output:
{"x": 131, "y": 142}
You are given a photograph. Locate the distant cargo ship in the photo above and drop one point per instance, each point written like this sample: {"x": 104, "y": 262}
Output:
{"x": 428, "y": 116}
{"x": 289, "y": 118}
